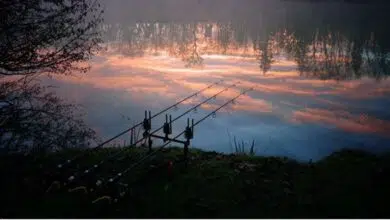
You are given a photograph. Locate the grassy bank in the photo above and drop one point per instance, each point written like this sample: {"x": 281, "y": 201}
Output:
{"x": 345, "y": 184}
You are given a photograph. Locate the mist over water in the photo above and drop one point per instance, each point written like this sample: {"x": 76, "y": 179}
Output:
{"x": 320, "y": 71}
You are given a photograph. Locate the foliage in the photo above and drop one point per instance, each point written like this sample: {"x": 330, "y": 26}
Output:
{"x": 347, "y": 184}
{"x": 48, "y": 36}
{"x": 33, "y": 119}
{"x": 36, "y": 37}
{"x": 241, "y": 147}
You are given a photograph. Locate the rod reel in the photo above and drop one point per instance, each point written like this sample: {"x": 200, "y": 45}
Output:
{"x": 147, "y": 123}
{"x": 189, "y": 130}
{"x": 167, "y": 128}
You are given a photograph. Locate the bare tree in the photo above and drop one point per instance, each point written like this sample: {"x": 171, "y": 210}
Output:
{"x": 48, "y": 36}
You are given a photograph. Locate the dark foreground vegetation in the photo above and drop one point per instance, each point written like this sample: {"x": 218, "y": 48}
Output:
{"x": 345, "y": 184}
{"x": 55, "y": 37}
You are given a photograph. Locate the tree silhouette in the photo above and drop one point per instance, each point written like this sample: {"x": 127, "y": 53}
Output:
{"x": 48, "y": 36}
{"x": 33, "y": 119}
{"x": 36, "y": 37}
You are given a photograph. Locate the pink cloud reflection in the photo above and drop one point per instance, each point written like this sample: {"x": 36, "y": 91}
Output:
{"x": 343, "y": 120}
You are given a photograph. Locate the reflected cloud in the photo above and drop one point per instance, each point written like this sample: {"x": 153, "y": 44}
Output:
{"x": 282, "y": 97}
{"x": 343, "y": 120}
{"x": 249, "y": 104}
{"x": 160, "y": 76}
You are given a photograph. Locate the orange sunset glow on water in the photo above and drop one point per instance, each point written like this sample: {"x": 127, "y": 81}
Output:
{"x": 285, "y": 106}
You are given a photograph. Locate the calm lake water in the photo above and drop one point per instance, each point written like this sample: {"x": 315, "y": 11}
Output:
{"x": 320, "y": 73}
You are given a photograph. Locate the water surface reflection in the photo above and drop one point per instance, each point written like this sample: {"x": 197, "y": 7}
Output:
{"x": 315, "y": 92}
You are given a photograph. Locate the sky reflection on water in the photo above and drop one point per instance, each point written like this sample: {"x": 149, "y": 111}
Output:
{"x": 286, "y": 115}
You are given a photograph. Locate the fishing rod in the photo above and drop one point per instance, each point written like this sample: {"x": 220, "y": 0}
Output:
{"x": 129, "y": 129}
{"x": 123, "y": 173}
{"x": 95, "y": 166}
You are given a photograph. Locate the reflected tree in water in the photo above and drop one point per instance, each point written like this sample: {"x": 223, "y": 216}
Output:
{"x": 179, "y": 40}
{"x": 224, "y": 36}
{"x": 188, "y": 47}
{"x": 356, "y": 56}
{"x": 264, "y": 54}
{"x": 338, "y": 50}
